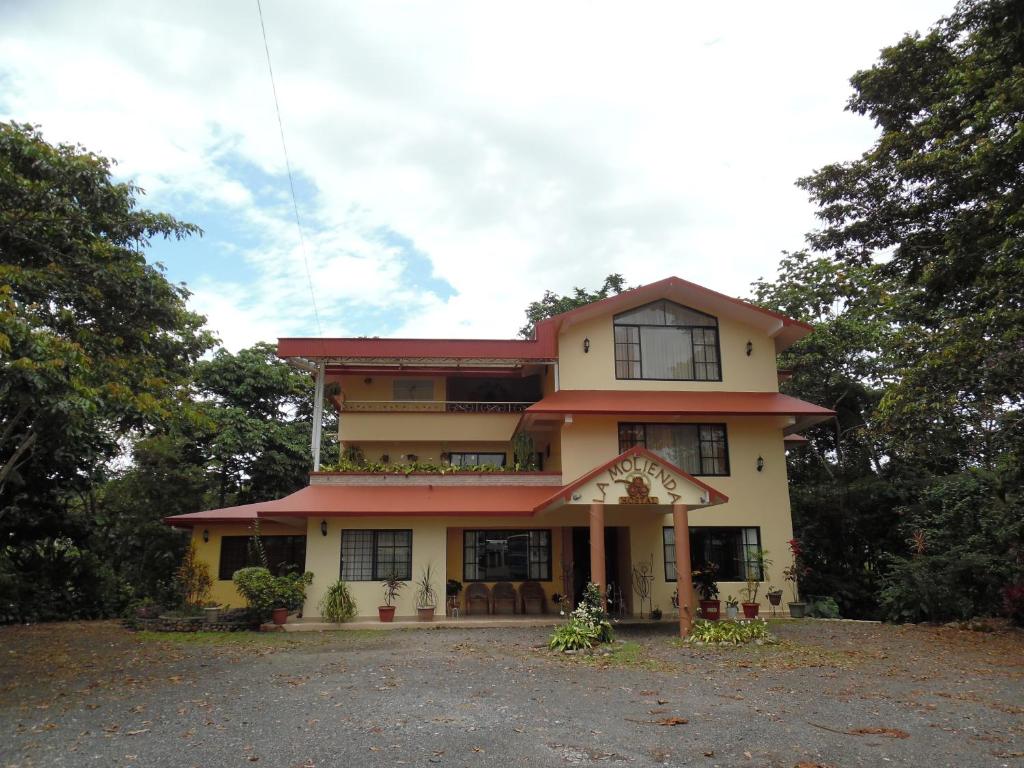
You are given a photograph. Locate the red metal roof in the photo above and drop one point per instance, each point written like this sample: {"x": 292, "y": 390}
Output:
{"x": 382, "y": 500}
{"x": 543, "y": 348}
{"x": 662, "y": 403}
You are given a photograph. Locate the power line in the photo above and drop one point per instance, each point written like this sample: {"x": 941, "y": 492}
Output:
{"x": 288, "y": 168}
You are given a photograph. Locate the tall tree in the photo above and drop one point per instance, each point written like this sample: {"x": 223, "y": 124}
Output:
{"x": 95, "y": 341}
{"x": 553, "y": 304}
{"x": 939, "y": 200}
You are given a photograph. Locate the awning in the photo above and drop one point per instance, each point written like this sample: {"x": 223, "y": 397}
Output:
{"x": 383, "y": 500}
{"x": 662, "y": 403}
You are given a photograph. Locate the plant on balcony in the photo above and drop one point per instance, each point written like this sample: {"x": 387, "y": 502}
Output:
{"x": 524, "y": 453}
{"x": 415, "y": 467}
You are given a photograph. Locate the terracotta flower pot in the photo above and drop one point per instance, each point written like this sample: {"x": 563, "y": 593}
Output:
{"x": 750, "y": 610}
{"x": 711, "y": 609}
{"x": 425, "y": 614}
{"x": 279, "y": 616}
{"x": 386, "y": 612}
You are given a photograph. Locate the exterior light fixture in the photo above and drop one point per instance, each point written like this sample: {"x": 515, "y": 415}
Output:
{"x": 760, "y": 463}
{"x": 586, "y": 345}
{"x": 206, "y": 535}
{"x": 323, "y": 527}
{"x": 750, "y": 347}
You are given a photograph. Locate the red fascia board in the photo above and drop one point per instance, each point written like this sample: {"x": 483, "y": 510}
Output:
{"x": 665, "y": 403}
{"x": 483, "y": 349}
{"x": 566, "y": 490}
{"x": 660, "y": 286}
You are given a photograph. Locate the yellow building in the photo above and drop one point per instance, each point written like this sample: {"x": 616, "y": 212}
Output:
{"x": 581, "y": 454}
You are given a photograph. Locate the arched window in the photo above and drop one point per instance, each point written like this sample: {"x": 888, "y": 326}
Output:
{"x": 666, "y": 341}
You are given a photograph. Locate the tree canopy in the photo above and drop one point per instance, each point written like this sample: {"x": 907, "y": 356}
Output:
{"x": 553, "y": 304}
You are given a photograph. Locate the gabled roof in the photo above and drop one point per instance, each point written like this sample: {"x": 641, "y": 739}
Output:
{"x": 784, "y": 330}
{"x": 565, "y": 492}
{"x": 543, "y": 347}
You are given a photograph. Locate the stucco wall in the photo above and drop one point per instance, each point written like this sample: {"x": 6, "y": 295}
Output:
{"x": 596, "y": 369}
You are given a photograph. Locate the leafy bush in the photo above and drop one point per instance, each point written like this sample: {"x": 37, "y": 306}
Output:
{"x": 822, "y": 608}
{"x": 1013, "y": 603}
{"x": 53, "y": 579}
{"x": 587, "y": 625}
{"x": 264, "y": 592}
{"x": 337, "y": 604}
{"x": 729, "y": 632}
{"x": 962, "y": 539}
{"x": 193, "y": 577}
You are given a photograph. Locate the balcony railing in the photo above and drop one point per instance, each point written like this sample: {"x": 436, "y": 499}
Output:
{"x": 433, "y": 406}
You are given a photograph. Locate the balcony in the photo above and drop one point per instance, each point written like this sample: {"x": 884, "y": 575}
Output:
{"x": 429, "y": 421}
{"x": 433, "y": 406}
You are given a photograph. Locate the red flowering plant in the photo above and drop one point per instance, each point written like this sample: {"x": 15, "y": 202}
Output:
{"x": 798, "y": 569}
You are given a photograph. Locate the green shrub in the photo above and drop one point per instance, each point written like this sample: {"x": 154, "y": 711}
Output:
{"x": 587, "y": 625}
{"x": 729, "y": 632}
{"x": 822, "y": 608}
{"x": 265, "y": 592}
{"x": 337, "y": 604}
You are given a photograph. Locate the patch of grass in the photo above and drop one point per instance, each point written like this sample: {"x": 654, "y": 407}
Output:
{"x": 214, "y": 638}
{"x": 790, "y": 655}
{"x": 627, "y": 654}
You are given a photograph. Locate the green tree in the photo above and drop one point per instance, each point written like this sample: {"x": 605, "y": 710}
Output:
{"x": 94, "y": 341}
{"x": 553, "y": 304}
{"x": 938, "y": 200}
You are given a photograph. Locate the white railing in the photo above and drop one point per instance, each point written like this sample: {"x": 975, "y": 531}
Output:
{"x": 433, "y": 406}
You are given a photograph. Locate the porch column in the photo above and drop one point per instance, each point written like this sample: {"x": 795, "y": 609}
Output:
{"x": 318, "y": 413}
{"x": 681, "y": 524}
{"x": 597, "y": 548}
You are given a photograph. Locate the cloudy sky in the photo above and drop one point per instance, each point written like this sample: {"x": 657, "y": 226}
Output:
{"x": 453, "y": 160}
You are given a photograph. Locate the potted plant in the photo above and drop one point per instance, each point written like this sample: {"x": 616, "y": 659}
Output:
{"x": 426, "y": 597}
{"x": 392, "y": 586}
{"x": 211, "y": 612}
{"x": 706, "y": 584}
{"x": 757, "y": 568}
{"x": 797, "y": 608}
{"x": 289, "y": 595}
{"x": 732, "y": 607}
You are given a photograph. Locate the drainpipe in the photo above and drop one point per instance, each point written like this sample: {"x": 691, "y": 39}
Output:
{"x": 318, "y": 413}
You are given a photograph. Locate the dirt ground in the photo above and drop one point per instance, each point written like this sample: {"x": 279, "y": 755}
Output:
{"x": 829, "y": 694}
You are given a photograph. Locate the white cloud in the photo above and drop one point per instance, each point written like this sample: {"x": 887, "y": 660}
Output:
{"x": 519, "y": 147}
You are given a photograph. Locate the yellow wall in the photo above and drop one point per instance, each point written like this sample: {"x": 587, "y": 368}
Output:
{"x": 223, "y": 592}
{"x": 596, "y": 369}
{"x": 357, "y": 428}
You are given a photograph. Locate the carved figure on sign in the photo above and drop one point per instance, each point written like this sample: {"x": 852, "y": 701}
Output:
{"x": 638, "y": 491}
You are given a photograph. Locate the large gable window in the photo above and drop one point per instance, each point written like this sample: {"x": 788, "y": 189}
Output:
{"x": 667, "y": 342}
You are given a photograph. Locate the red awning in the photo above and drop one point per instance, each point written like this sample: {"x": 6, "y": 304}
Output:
{"x": 662, "y": 403}
{"x": 325, "y": 500}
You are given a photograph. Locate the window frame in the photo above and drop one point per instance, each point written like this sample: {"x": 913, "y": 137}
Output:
{"x": 273, "y": 567}
{"x": 411, "y": 382}
{"x": 640, "y": 347}
{"x": 376, "y": 574}
{"x": 694, "y": 528}
{"x": 548, "y": 562}
{"x": 633, "y": 425}
{"x": 478, "y": 454}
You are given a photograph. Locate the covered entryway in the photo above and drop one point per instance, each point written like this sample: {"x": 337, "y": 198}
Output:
{"x": 618, "y": 568}
{"x": 636, "y": 486}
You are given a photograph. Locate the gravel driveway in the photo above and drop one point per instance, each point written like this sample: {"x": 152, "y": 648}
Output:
{"x": 830, "y": 694}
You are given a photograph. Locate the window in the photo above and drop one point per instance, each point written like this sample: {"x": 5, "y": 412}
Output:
{"x": 733, "y": 550}
{"x": 476, "y": 459}
{"x": 699, "y": 449}
{"x": 412, "y": 389}
{"x": 375, "y": 555}
{"x": 666, "y": 341}
{"x": 506, "y": 556}
{"x": 284, "y": 554}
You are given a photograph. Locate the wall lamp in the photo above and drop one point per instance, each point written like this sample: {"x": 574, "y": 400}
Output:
{"x": 206, "y": 535}
{"x": 323, "y": 527}
{"x": 760, "y": 463}
{"x": 750, "y": 347}
{"x": 586, "y": 345}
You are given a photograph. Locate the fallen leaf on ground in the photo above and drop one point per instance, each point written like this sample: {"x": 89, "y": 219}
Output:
{"x": 893, "y": 733}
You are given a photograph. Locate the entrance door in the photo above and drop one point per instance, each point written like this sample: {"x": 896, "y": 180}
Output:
{"x": 616, "y": 561}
